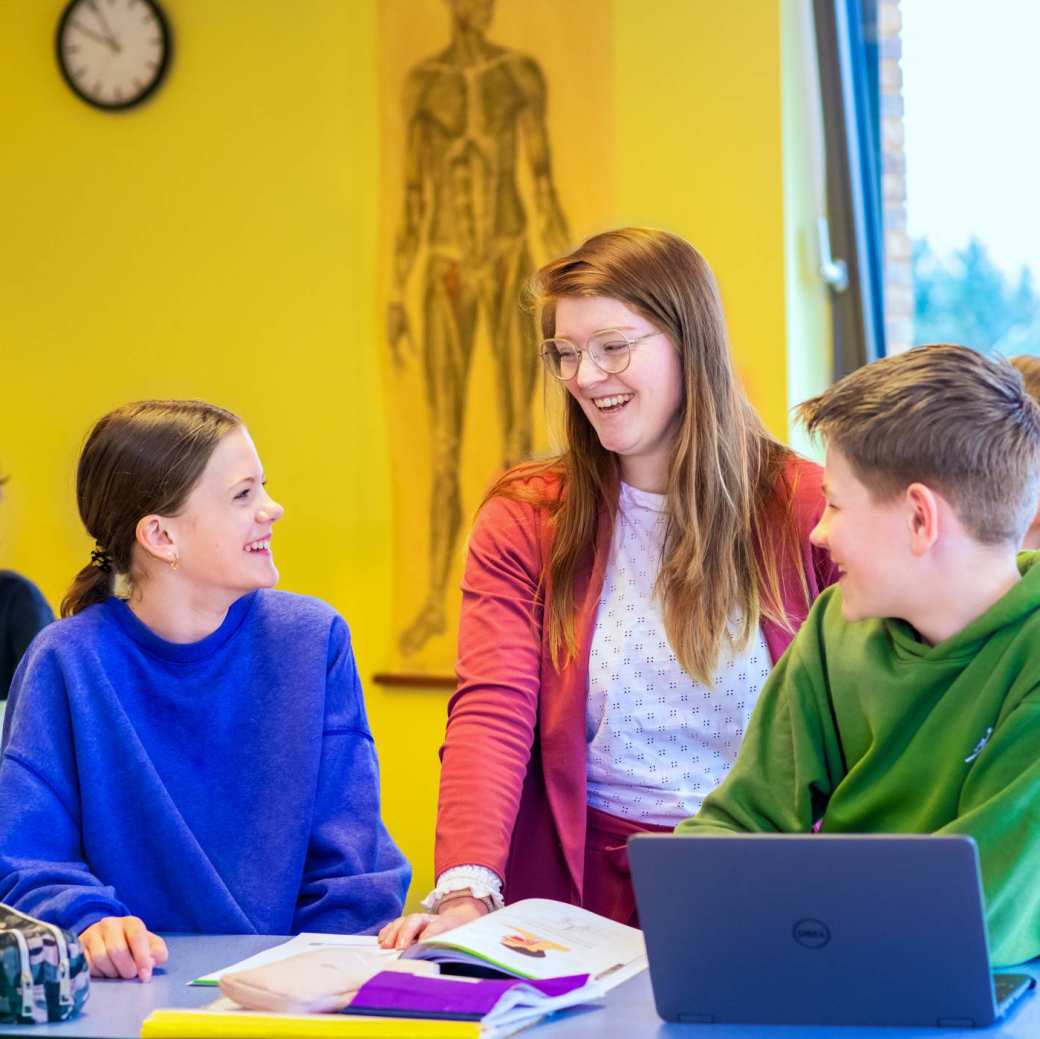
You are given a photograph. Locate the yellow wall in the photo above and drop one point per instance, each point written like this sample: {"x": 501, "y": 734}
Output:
{"x": 220, "y": 242}
{"x": 699, "y": 152}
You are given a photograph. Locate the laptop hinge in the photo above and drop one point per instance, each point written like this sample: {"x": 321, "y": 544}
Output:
{"x": 697, "y": 1019}
{"x": 956, "y": 1022}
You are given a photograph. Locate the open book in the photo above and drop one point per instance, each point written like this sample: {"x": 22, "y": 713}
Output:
{"x": 583, "y": 954}
{"x": 541, "y": 938}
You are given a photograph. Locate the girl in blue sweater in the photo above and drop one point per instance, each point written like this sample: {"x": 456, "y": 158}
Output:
{"x": 189, "y": 750}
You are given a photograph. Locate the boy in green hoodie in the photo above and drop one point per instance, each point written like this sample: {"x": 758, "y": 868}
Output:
{"x": 909, "y": 702}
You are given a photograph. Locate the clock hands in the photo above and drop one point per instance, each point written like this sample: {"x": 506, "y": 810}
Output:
{"x": 95, "y": 35}
{"x": 111, "y": 37}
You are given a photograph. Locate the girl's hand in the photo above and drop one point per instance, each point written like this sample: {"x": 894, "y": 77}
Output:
{"x": 122, "y": 947}
{"x": 452, "y": 912}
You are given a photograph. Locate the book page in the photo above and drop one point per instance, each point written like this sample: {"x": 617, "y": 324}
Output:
{"x": 541, "y": 938}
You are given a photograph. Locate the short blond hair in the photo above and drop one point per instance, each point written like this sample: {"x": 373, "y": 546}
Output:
{"x": 945, "y": 416}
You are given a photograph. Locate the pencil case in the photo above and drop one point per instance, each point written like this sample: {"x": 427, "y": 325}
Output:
{"x": 43, "y": 973}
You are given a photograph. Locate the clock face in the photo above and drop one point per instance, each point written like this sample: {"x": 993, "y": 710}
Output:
{"x": 113, "y": 53}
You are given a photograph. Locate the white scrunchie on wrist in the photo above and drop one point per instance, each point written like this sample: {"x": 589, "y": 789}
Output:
{"x": 484, "y": 884}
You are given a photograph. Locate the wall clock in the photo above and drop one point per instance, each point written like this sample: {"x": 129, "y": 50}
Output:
{"x": 113, "y": 53}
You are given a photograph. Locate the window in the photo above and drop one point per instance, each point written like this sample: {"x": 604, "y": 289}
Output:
{"x": 958, "y": 116}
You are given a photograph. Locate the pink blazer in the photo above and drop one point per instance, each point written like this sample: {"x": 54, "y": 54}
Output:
{"x": 512, "y": 791}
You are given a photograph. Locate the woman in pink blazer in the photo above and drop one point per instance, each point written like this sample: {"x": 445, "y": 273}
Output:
{"x": 623, "y": 602}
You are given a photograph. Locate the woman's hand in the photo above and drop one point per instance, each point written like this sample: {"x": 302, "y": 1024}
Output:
{"x": 122, "y": 947}
{"x": 452, "y": 912}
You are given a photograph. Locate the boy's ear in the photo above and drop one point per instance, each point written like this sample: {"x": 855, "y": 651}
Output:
{"x": 154, "y": 537}
{"x": 1032, "y": 535}
{"x": 923, "y": 510}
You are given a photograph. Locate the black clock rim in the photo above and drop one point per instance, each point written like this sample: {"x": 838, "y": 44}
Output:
{"x": 117, "y": 106}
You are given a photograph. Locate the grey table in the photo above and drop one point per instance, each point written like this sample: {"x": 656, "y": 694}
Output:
{"x": 116, "y": 1009}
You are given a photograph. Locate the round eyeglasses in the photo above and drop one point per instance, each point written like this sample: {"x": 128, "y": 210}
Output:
{"x": 610, "y": 351}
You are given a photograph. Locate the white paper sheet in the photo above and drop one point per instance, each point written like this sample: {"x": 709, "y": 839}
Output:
{"x": 306, "y": 942}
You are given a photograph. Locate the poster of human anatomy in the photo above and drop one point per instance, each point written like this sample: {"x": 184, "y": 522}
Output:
{"x": 496, "y": 130}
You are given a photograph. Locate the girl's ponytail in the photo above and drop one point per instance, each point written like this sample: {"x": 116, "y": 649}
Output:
{"x": 91, "y": 585}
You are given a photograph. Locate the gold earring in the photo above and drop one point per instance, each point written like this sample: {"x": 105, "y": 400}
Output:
{"x": 173, "y": 561}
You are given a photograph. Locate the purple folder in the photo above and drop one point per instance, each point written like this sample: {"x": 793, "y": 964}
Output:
{"x": 395, "y": 993}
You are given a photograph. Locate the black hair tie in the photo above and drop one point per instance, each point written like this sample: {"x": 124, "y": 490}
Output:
{"x": 101, "y": 559}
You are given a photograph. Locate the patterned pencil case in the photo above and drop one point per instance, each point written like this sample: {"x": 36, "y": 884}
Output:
{"x": 43, "y": 972}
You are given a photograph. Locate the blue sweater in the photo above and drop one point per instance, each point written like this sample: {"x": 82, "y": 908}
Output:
{"x": 227, "y": 786}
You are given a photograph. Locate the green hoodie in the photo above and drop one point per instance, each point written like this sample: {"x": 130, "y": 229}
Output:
{"x": 870, "y": 729}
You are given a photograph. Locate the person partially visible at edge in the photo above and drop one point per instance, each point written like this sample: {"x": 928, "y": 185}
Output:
{"x": 23, "y": 612}
{"x": 910, "y": 700}
{"x": 1029, "y": 368}
{"x": 623, "y": 602}
{"x": 195, "y": 756}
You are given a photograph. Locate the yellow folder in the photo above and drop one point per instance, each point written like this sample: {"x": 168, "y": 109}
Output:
{"x": 199, "y": 1024}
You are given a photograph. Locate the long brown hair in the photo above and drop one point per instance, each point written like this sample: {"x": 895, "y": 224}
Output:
{"x": 140, "y": 459}
{"x": 730, "y": 526}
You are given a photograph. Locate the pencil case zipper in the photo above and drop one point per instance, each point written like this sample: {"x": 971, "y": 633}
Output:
{"x": 64, "y": 980}
{"x": 25, "y": 974}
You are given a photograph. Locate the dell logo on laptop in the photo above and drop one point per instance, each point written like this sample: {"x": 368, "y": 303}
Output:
{"x": 813, "y": 934}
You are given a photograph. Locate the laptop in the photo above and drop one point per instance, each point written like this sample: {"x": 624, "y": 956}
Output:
{"x": 818, "y": 929}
